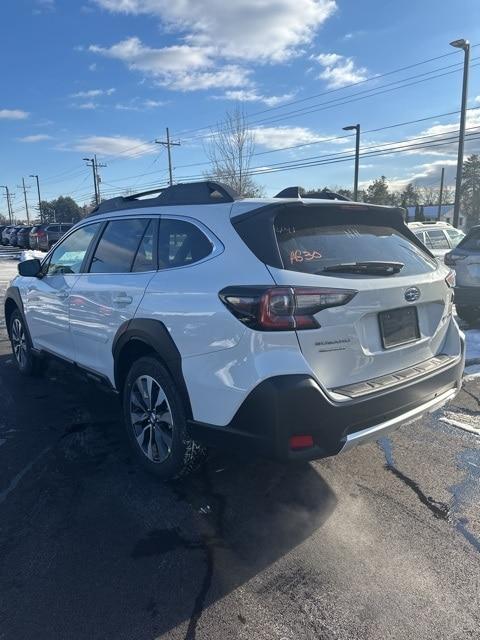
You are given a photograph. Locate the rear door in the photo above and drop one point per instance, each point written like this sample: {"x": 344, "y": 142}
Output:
{"x": 109, "y": 293}
{"x": 393, "y": 322}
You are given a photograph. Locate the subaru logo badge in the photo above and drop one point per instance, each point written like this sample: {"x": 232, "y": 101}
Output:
{"x": 412, "y": 294}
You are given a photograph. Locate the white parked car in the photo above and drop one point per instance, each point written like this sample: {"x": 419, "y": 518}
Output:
{"x": 288, "y": 327}
{"x": 439, "y": 237}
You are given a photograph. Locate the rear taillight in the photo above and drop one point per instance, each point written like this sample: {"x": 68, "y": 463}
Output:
{"x": 451, "y": 260}
{"x": 450, "y": 279}
{"x": 281, "y": 308}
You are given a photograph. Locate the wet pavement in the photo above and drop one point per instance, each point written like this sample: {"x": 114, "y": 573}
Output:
{"x": 381, "y": 543}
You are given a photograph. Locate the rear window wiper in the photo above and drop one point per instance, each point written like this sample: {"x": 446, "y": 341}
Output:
{"x": 372, "y": 267}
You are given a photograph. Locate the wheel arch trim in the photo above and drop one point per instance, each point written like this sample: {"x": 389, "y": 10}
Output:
{"x": 155, "y": 335}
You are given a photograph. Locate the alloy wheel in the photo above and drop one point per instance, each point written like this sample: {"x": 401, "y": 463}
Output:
{"x": 151, "y": 418}
{"x": 19, "y": 343}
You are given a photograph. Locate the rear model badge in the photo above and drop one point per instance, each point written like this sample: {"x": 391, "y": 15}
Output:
{"x": 412, "y": 294}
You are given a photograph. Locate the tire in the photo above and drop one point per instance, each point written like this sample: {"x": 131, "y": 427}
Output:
{"x": 155, "y": 420}
{"x": 470, "y": 315}
{"x": 28, "y": 364}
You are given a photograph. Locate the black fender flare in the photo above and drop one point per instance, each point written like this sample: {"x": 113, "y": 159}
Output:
{"x": 13, "y": 293}
{"x": 154, "y": 334}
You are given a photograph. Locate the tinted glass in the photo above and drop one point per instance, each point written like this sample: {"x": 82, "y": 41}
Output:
{"x": 436, "y": 239}
{"x": 472, "y": 241}
{"x": 181, "y": 243}
{"x": 118, "y": 246}
{"x": 309, "y": 247}
{"x": 69, "y": 255}
{"x": 144, "y": 260}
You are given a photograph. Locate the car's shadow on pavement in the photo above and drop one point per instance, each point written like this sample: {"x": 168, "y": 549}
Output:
{"x": 93, "y": 547}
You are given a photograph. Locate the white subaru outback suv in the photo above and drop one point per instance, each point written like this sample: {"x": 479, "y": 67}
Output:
{"x": 290, "y": 327}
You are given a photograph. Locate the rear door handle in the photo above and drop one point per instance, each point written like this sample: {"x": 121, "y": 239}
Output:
{"x": 123, "y": 299}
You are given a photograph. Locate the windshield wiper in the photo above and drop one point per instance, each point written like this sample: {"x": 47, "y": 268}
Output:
{"x": 372, "y": 267}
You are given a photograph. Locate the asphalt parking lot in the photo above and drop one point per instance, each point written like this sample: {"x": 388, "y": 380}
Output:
{"x": 381, "y": 543}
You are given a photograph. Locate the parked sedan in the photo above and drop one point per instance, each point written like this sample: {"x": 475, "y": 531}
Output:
{"x": 23, "y": 237}
{"x": 44, "y": 236}
{"x": 465, "y": 259}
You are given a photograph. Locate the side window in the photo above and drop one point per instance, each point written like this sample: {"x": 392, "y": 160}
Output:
{"x": 181, "y": 243}
{"x": 436, "y": 239}
{"x": 420, "y": 236}
{"x": 118, "y": 246}
{"x": 54, "y": 228}
{"x": 454, "y": 236}
{"x": 144, "y": 260}
{"x": 68, "y": 256}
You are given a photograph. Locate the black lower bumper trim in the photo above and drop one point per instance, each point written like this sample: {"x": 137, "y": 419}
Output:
{"x": 285, "y": 406}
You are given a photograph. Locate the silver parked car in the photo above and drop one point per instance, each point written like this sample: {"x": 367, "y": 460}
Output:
{"x": 439, "y": 237}
{"x": 465, "y": 259}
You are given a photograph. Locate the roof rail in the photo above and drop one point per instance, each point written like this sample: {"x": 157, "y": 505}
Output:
{"x": 295, "y": 192}
{"x": 206, "y": 192}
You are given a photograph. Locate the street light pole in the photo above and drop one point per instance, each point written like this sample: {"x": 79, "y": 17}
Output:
{"x": 356, "y": 128}
{"x": 39, "y": 198}
{"x": 9, "y": 204}
{"x": 465, "y": 45}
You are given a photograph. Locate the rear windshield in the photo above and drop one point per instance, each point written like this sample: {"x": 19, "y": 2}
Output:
{"x": 471, "y": 242}
{"x": 309, "y": 246}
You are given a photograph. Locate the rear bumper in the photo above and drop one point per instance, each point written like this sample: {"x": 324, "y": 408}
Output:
{"x": 467, "y": 296}
{"x": 285, "y": 406}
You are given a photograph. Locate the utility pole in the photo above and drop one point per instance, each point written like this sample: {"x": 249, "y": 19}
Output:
{"x": 440, "y": 198}
{"x": 168, "y": 144}
{"x": 39, "y": 199}
{"x": 9, "y": 204}
{"x": 92, "y": 162}
{"x": 24, "y": 188}
{"x": 465, "y": 45}
{"x": 97, "y": 173}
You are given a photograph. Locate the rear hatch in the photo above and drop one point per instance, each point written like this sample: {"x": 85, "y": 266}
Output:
{"x": 399, "y": 313}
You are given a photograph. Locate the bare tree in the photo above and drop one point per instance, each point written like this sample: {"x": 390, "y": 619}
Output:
{"x": 230, "y": 148}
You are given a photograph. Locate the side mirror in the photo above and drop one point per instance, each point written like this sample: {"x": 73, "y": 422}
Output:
{"x": 30, "y": 268}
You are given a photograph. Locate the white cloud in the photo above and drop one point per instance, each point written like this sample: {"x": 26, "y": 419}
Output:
{"x": 156, "y": 62}
{"x": 86, "y": 105}
{"x": 477, "y": 99}
{"x": 39, "y": 137}
{"x": 140, "y": 105}
{"x": 13, "y": 114}
{"x": 338, "y": 70}
{"x": 267, "y": 30}
{"x": 44, "y": 6}
{"x": 114, "y": 145}
{"x": 182, "y": 67}
{"x": 279, "y": 137}
{"x": 93, "y": 93}
{"x": 251, "y": 95}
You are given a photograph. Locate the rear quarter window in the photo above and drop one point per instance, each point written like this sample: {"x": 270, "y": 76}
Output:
{"x": 309, "y": 246}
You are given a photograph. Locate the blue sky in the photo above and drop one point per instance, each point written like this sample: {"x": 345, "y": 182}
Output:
{"x": 107, "y": 77}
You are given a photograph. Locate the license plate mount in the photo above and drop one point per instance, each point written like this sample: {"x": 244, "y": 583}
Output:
{"x": 398, "y": 326}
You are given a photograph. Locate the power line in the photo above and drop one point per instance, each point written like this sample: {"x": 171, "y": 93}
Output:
{"x": 330, "y": 91}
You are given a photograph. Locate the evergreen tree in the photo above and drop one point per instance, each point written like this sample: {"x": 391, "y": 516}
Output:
{"x": 470, "y": 197}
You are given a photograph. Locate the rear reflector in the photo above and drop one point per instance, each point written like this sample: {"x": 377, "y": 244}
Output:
{"x": 301, "y": 442}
